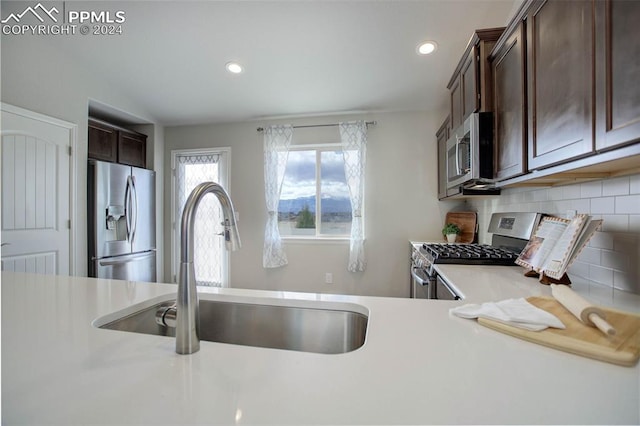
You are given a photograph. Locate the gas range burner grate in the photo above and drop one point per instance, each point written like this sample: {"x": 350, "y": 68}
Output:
{"x": 468, "y": 254}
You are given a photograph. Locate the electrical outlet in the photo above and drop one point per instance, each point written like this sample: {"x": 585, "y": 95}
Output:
{"x": 328, "y": 278}
{"x": 571, "y": 214}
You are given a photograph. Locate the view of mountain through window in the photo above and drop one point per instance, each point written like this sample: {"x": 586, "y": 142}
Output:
{"x": 315, "y": 197}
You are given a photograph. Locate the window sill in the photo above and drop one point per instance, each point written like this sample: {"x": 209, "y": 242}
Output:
{"x": 315, "y": 240}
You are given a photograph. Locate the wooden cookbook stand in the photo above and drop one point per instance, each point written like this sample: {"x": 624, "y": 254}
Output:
{"x": 544, "y": 279}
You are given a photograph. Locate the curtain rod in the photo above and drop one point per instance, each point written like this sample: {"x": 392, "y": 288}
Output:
{"x": 368, "y": 123}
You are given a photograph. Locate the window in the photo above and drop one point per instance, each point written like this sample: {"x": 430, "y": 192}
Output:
{"x": 314, "y": 201}
{"x": 308, "y": 173}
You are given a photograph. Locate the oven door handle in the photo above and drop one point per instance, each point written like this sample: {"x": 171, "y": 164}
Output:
{"x": 451, "y": 294}
{"x": 417, "y": 278}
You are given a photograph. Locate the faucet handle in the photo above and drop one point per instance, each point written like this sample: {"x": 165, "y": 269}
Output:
{"x": 166, "y": 315}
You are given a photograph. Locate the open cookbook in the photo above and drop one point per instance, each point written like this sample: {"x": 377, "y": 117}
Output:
{"x": 556, "y": 243}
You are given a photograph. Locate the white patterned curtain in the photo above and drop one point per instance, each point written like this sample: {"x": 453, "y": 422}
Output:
{"x": 353, "y": 136}
{"x": 277, "y": 140}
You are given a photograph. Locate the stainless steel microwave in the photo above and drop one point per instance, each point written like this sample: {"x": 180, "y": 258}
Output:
{"x": 469, "y": 154}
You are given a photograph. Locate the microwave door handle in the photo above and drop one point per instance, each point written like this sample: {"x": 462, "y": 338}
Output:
{"x": 458, "y": 171}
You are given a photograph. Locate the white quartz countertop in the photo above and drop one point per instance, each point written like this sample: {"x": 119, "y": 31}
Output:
{"x": 419, "y": 364}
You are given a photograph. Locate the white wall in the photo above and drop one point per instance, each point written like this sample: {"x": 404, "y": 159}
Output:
{"x": 401, "y": 203}
{"x": 612, "y": 258}
{"x": 39, "y": 75}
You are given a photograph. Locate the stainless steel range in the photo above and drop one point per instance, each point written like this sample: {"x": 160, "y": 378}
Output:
{"x": 511, "y": 231}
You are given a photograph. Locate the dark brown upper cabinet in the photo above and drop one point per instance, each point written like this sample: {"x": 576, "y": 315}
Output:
{"x": 560, "y": 64}
{"x": 103, "y": 141}
{"x": 112, "y": 143}
{"x": 468, "y": 77}
{"x": 132, "y": 149}
{"x": 470, "y": 86}
{"x": 455, "y": 89}
{"x": 618, "y": 73}
{"x": 575, "y": 91}
{"x": 442, "y": 136}
{"x": 508, "y": 65}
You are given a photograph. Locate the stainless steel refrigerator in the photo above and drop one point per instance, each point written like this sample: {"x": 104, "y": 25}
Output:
{"x": 121, "y": 221}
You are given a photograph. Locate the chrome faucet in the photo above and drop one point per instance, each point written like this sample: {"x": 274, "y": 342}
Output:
{"x": 187, "y": 317}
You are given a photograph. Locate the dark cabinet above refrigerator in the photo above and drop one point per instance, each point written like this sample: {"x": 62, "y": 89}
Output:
{"x": 115, "y": 144}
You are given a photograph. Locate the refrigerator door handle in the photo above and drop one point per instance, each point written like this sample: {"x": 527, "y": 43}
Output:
{"x": 134, "y": 203}
{"x": 127, "y": 208}
{"x": 125, "y": 259}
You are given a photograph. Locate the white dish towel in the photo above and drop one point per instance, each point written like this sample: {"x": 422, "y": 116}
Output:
{"x": 515, "y": 312}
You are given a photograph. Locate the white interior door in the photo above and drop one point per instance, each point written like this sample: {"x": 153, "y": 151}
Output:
{"x": 36, "y": 192}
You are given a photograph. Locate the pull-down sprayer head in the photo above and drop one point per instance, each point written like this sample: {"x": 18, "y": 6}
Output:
{"x": 187, "y": 317}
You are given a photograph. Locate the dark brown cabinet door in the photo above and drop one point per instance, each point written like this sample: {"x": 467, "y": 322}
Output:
{"x": 441, "y": 137}
{"x": 470, "y": 86}
{"x": 508, "y": 69}
{"x": 618, "y": 72}
{"x": 112, "y": 143}
{"x": 103, "y": 142}
{"x": 560, "y": 81}
{"x": 132, "y": 149}
{"x": 456, "y": 104}
{"x": 468, "y": 75}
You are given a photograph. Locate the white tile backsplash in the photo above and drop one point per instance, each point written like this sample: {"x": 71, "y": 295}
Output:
{"x": 603, "y": 205}
{"x": 601, "y": 275}
{"x": 628, "y": 204}
{"x": 612, "y": 257}
{"x": 590, "y": 255}
{"x": 591, "y": 189}
{"x": 626, "y": 282}
{"x": 540, "y": 195}
{"x": 602, "y": 240}
{"x": 570, "y": 192}
{"x": 634, "y": 184}
{"x": 615, "y": 223}
{"x": 616, "y": 186}
{"x": 556, "y": 193}
{"x": 579, "y": 268}
{"x": 615, "y": 260}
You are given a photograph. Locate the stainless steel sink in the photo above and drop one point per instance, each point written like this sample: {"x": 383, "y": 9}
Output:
{"x": 309, "y": 326}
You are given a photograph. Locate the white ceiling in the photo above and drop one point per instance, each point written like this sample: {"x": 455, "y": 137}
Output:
{"x": 300, "y": 57}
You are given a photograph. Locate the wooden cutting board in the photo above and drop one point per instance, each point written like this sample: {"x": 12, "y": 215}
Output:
{"x": 466, "y": 221}
{"x": 580, "y": 339}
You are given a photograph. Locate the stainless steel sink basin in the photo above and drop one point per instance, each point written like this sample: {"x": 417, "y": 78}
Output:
{"x": 308, "y": 326}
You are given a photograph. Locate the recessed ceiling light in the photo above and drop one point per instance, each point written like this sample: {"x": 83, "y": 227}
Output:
{"x": 427, "y": 47}
{"x": 234, "y": 67}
